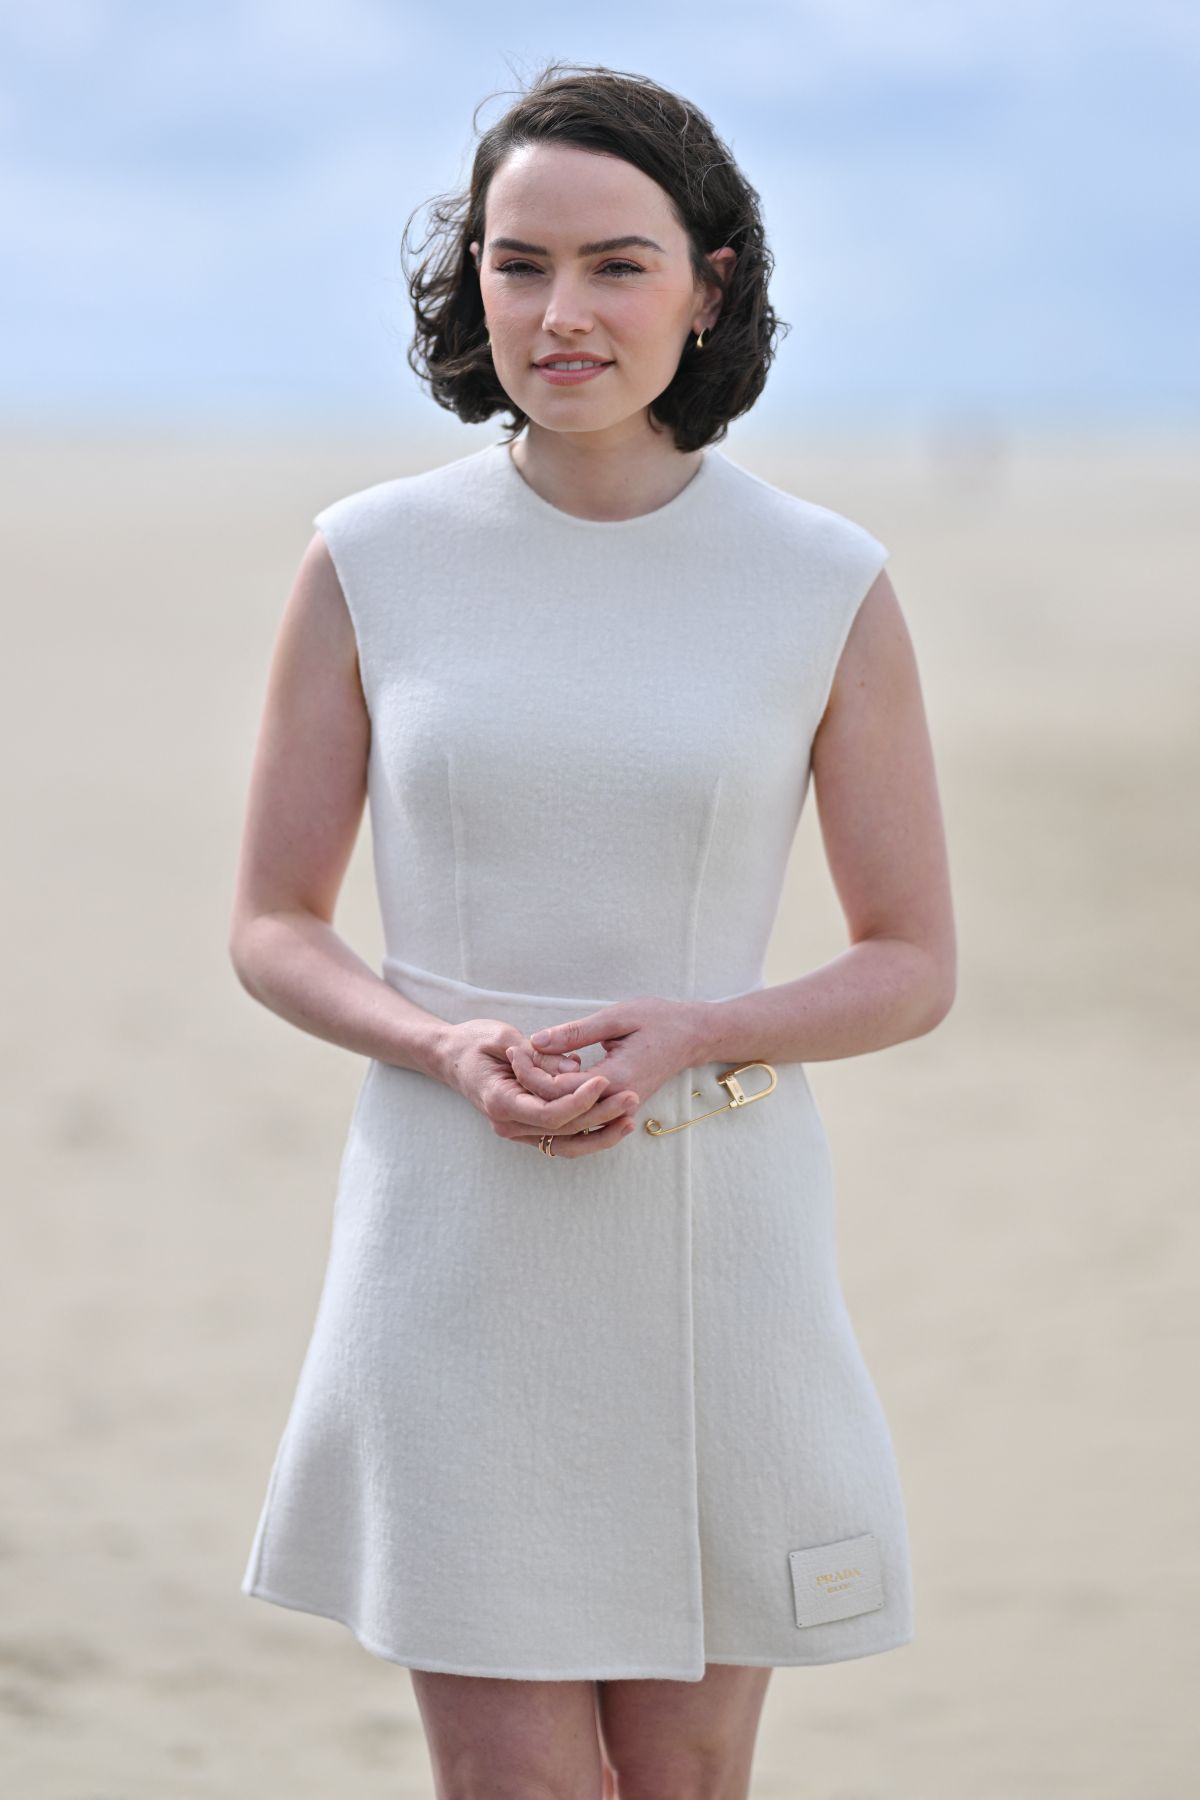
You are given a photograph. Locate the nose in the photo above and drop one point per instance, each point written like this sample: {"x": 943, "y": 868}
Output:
{"x": 566, "y": 310}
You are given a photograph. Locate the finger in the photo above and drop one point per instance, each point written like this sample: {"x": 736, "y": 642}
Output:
{"x": 611, "y": 1108}
{"x": 544, "y": 1059}
{"x": 582, "y": 1143}
{"x": 553, "y": 1110}
{"x": 551, "y": 1065}
{"x": 575, "y": 1033}
{"x": 587, "y": 1109}
{"x": 530, "y": 1073}
{"x": 549, "y": 1078}
{"x": 542, "y": 1076}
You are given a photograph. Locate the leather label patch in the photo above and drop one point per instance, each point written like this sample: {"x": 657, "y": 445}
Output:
{"x": 835, "y": 1581}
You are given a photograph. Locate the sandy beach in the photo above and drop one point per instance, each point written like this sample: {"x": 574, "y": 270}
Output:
{"x": 1017, "y": 1190}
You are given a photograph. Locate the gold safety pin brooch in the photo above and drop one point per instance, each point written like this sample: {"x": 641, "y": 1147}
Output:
{"x": 736, "y": 1098}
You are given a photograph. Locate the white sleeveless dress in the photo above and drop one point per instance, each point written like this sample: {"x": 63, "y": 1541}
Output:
{"x": 607, "y": 1417}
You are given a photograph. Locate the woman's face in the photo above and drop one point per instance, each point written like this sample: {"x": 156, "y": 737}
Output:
{"x": 549, "y": 291}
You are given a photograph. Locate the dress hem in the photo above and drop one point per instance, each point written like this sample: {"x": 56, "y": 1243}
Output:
{"x": 408, "y": 1661}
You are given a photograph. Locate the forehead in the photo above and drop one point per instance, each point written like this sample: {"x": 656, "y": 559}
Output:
{"x": 561, "y": 194}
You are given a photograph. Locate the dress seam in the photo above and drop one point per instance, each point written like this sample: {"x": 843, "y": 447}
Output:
{"x": 698, "y": 885}
{"x": 456, "y": 853}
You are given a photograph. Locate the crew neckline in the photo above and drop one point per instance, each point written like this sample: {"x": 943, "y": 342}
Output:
{"x": 685, "y": 496}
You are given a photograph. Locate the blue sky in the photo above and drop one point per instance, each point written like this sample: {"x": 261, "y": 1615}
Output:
{"x": 981, "y": 209}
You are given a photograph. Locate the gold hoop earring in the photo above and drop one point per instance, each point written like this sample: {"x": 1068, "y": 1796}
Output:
{"x": 487, "y": 337}
{"x": 700, "y": 339}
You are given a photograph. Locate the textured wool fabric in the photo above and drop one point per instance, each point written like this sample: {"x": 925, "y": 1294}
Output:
{"x": 606, "y": 1417}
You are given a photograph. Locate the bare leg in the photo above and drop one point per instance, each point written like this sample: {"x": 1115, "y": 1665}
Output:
{"x": 693, "y": 1740}
{"x": 496, "y": 1739}
{"x": 609, "y": 1791}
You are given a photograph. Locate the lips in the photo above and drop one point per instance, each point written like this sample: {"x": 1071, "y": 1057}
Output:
{"x": 593, "y": 361}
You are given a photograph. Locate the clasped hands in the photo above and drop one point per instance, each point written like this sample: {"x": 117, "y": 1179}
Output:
{"x": 531, "y": 1086}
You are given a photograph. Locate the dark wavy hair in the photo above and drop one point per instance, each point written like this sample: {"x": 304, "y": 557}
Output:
{"x": 608, "y": 111}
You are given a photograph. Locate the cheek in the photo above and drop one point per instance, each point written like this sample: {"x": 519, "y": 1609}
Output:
{"x": 497, "y": 300}
{"x": 507, "y": 299}
{"x": 649, "y": 323}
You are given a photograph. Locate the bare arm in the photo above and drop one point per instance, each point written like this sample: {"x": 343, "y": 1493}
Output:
{"x": 305, "y": 805}
{"x": 881, "y": 823}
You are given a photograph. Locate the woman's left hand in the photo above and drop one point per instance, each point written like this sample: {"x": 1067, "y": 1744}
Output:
{"x": 646, "y": 1042}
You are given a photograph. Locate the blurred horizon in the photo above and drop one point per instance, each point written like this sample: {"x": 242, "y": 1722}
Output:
{"x": 982, "y": 219}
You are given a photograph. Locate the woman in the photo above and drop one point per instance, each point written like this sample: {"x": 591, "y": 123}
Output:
{"x": 583, "y": 1436}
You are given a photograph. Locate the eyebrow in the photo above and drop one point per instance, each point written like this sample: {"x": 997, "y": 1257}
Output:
{"x": 596, "y": 249}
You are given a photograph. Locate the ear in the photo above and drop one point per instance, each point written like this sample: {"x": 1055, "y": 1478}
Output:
{"x": 725, "y": 260}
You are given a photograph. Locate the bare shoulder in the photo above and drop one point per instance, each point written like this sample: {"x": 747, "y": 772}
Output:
{"x": 877, "y": 794}
{"x": 308, "y": 783}
{"x": 316, "y": 634}
{"x": 317, "y": 587}
{"x": 878, "y": 664}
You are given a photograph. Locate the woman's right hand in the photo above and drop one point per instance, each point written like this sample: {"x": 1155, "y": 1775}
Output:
{"x": 587, "y": 1116}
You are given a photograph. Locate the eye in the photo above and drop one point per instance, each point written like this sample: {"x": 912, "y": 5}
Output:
{"x": 623, "y": 268}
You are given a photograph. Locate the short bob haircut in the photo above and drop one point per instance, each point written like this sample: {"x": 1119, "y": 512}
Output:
{"x": 617, "y": 114}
